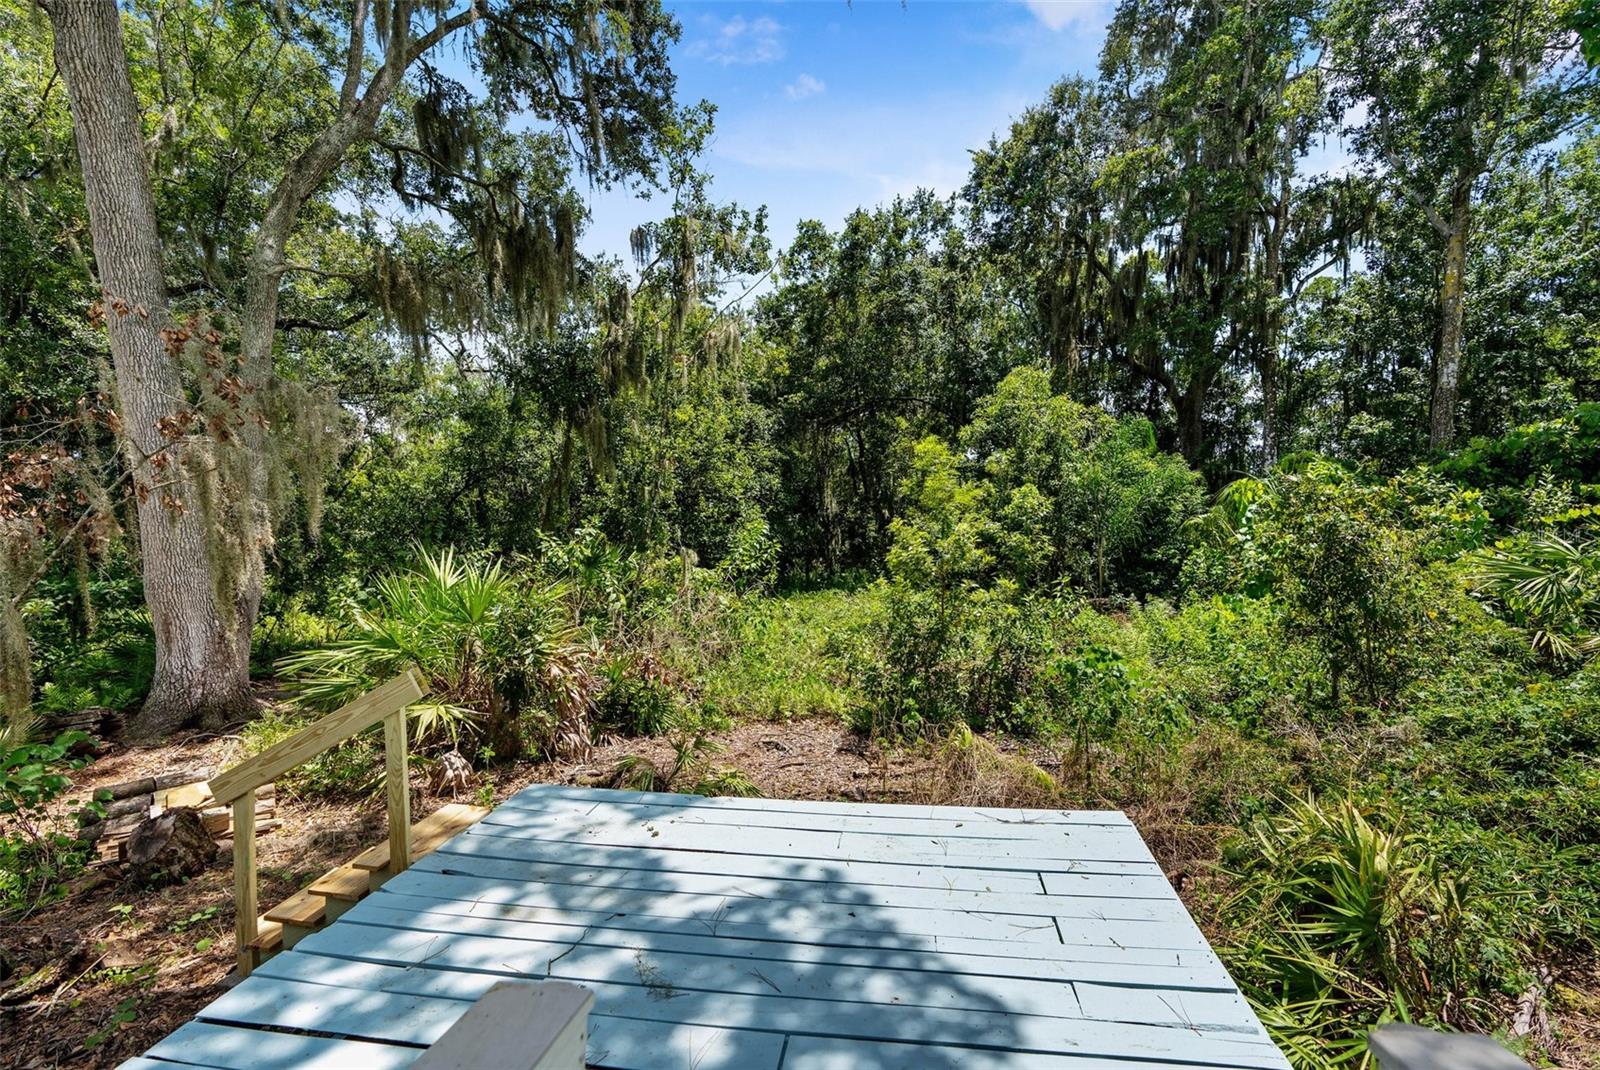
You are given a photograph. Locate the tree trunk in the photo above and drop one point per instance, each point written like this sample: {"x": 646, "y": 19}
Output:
{"x": 1271, "y": 340}
{"x": 1268, "y": 370}
{"x": 1452, "y": 309}
{"x": 202, "y": 671}
{"x": 1189, "y": 408}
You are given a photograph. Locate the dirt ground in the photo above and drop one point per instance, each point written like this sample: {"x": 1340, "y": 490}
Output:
{"x": 134, "y": 965}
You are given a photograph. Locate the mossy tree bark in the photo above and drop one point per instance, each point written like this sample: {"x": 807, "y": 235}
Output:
{"x": 202, "y": 671}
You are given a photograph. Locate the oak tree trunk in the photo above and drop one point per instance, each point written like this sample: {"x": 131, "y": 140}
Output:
{"x": 1452, "y": 309}
{"x": 1189, "y": 408}
{"x": 202, "y": 670}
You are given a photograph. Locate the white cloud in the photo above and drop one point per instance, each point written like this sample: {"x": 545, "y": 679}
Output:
{"x": 1060, "y": 14}
{"x": 738, "y": 41}
{"x": 803, "y": 87}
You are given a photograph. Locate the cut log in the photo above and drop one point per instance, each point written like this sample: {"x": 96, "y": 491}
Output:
{"x": 142, "y": 786}
{"x": 137, "y": 804}
{"x": 170, "y": 848}
{"x": 112, "y": 826}
{"x": 178, "y": 780}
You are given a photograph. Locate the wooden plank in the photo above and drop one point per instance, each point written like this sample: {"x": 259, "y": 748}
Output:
{"x": 184, "y": 795}
{"x": 233, "y": 1048}
{"x": 625, "y": 1044}
{"x": 659, "y": 1000}
{"x": 1025, "y": 958}
{"x": 392, "y": 1017}
{"x": 711, "y": 912}
{"x": 517, "y": 1026}
{"x": 269, "y": 934}
{"x": 1134, "y": 966}
{"x": 426, "y": 835}
{"x": 1126, "y": 908}
{"x": 911, "y": 811}
{"x": 345, "y": 882}
{"x": 244, "y": 880}
{"x": 1181, "y": 1010}
{"x": 975, "y": 828}
{"x": 365, "y": 710}
{"x": 489, "y": 844}
{"x": 982, "y": 835}
{"x": 631, "y": 1044}
{"x": 886, "y": 983}
{"x": 304, "y": 908}
{"x": 1079, "y": 849}
{"x": 397, "y": 787}
{"x": 840, "y": 1053}
{"x": 263, "y": 825}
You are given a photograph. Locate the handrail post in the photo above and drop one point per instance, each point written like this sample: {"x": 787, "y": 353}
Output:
{"x": 398, "y": 784}
{"x": 244, "y": 877}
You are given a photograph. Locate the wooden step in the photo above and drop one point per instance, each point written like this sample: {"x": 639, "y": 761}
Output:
{"x": 331, "y": 894}
{"x": 347, "y": 884}
{"x": 269, "y": 938}
{"x": 303, "y": 908}
{"x": 426, "y": 834}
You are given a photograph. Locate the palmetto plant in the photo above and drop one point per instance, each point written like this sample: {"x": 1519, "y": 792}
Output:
{"x": 486, "y": 640}
{"x": 1348, "y": 921}
{"x": 1550, "y": 585}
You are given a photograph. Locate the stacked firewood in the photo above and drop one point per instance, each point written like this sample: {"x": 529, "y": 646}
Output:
{"x": 122, "y": 807}
{"x": 100, "y": 722}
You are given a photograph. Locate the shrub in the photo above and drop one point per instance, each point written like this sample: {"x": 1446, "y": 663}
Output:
{"x": 33, "y": 857}
{"x": 491, "y": 643}
{"x": 1550, "y": 585}
{"x": 751, "y": 563}
{"x": 637, "y": 700}
{"x": 1344, "y": 919}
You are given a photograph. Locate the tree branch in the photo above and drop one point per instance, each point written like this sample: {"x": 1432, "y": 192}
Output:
{"x": 293, "y": 323}
{"x": 353, "y": 63}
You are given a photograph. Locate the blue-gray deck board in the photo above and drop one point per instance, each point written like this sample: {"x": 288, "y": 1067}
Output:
{"x": 762, "y": 934}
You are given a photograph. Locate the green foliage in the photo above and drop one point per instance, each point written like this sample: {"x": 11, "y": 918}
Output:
{"x": 727, "y": 781}
{"x": 1090, "y": 689}
{"x": 1078, "y": 494}
{"x": 437, "y": 616}
{"x": 1349, "y": 580}
{"x": 788, "y": 656}
{"x": 1345, "y": 921}
{"x": 35, "y": 858}
{"x": 1564, "y": 449}
{"x": 1550, "y": 585}
{"x": 751, "y": 563}
{"x": 32, "y": 774}
{"x": 638, "y": 699}
{"x": 487, "y": 640}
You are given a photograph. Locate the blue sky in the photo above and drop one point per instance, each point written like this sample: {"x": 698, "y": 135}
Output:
{"x": 824, "y": 106}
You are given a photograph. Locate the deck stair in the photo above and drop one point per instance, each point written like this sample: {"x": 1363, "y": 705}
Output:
{"x": 339, "y": 889}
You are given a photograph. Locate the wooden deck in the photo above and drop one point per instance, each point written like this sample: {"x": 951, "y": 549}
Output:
{"x": 754, "y": 934}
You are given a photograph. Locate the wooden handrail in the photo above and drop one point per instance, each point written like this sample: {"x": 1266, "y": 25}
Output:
{"x": 387, "y": 703}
